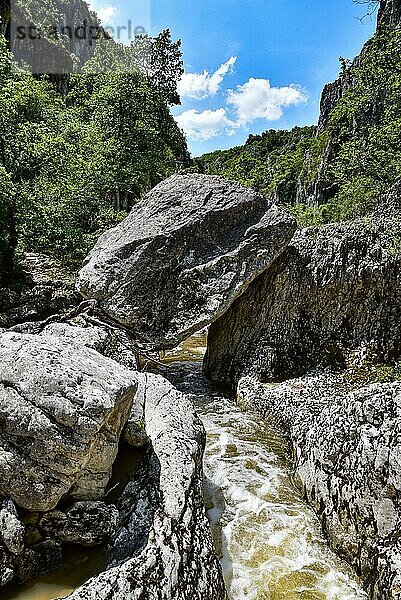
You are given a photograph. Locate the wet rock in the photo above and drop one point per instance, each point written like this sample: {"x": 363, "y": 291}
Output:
{"x": 163, "y": 547}
{"x": 11, "y": 529}
{"x": 346, "y": 450}
{"x": 85, "y": 523}
{"x": 38, "y": 559}
{"x": 183, "y": 255}
{"x": 62, "y": 410}
{"x": 6, "y": 567}
{"x": 332, "y": 290}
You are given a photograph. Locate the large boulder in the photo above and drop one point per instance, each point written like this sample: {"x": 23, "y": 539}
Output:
{"x": 182, "y": 256}
{"x": 62, "y": 410}
{"x": 163, "y": 548}
{"x": 332, "y": 290}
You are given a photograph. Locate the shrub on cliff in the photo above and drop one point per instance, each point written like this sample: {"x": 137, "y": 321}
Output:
{"x": 7, "y": 227}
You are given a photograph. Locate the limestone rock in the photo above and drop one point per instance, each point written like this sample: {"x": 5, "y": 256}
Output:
{"x": 333, "y": 289}
{"x": 163, "y": 548}
{"x": 38, "y": 559}
{"x": 346, "y": 448}
{"x": 85, "y": 523}
{"x": 11, "y": 529}
{"x": 134, "y": 432}
{"x": 109, "y": 341}
{"x": 62, "y": 410}
{"x": 183, "y": 255}
{"x": 6, "y": 567}
{"x": 85, "y": 329}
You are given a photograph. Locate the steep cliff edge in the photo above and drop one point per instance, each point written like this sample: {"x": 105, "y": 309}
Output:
{"x": 341, "y": 172}
{"x": 333, "y": 289}
{"x": 389, "y": 16}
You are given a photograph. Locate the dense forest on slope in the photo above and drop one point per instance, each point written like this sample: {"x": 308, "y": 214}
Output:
{"x": 269, "y": 163}
{"x": 339, "y": 172}
{"x": 77, "y": 151}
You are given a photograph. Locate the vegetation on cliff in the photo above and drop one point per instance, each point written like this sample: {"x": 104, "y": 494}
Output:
{"x": 340, "y": 172}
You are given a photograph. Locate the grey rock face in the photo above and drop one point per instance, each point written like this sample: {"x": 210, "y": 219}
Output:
{"x": 85, "y": 523}
{"x": 333, "y": 289}
{"x": 62, "y": 410}
{"x": 11, "y": 529}
{"x": 347, "y": 452}
{"x": 47, "y": 287}
{"x": 6, "y": 567}
{"x": 109, "y": 341}
{"x": 163, "y": 548}
{"x": 134, "y": 432}
{"x": 183, "y": 255}
{"x": 38, "y": 559}
{"x": 86, "y": 329}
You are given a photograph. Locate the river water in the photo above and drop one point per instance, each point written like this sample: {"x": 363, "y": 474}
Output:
{"x": 271, "y": 542}
{"x": 273, "y": 546}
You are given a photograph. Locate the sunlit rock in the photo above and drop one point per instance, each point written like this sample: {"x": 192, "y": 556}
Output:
{"x": 182, "y": 256}
{"x": 62, "y": 410}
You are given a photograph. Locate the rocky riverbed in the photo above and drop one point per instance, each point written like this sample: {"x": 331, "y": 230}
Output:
{"x": 76, "y": 388}
{"x": 269, "y": 540}
{"x": 271, "y": 543}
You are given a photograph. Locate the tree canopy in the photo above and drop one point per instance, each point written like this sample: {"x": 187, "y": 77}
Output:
{"x": 72, "y": 163}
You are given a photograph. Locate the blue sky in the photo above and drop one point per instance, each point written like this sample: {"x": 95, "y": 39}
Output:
{"x": 251, "y": 65}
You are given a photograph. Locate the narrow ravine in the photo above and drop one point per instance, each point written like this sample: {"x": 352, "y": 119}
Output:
{"x": 271, "y": 542}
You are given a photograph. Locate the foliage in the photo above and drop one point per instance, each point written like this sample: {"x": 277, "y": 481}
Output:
{"x": 386, "y": 373}
{"x": 270, "y": 163}
{"x": 77, "y": 162}
{"x": 341, "y": 173}
{"x": 308, "y": 216}
{"x": 6, "y": 226}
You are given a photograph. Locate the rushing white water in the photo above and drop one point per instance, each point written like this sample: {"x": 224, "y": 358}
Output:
{"x": 271, "y": 543}
{"x": 273, "y": 547}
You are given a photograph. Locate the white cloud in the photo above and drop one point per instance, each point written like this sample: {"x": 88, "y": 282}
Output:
{"x": 105, "y": 13}
{"x": 203, "y": 85}
{"x": 257, "y": 99}
{"x": 206, "y": 124}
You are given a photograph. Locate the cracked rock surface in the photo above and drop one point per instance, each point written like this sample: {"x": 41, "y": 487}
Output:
{"x": 163, "y": 548}
{"x": 333, "y": 289}
{"x": 62, "y": 410}
{"x": 183, "y": 255}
